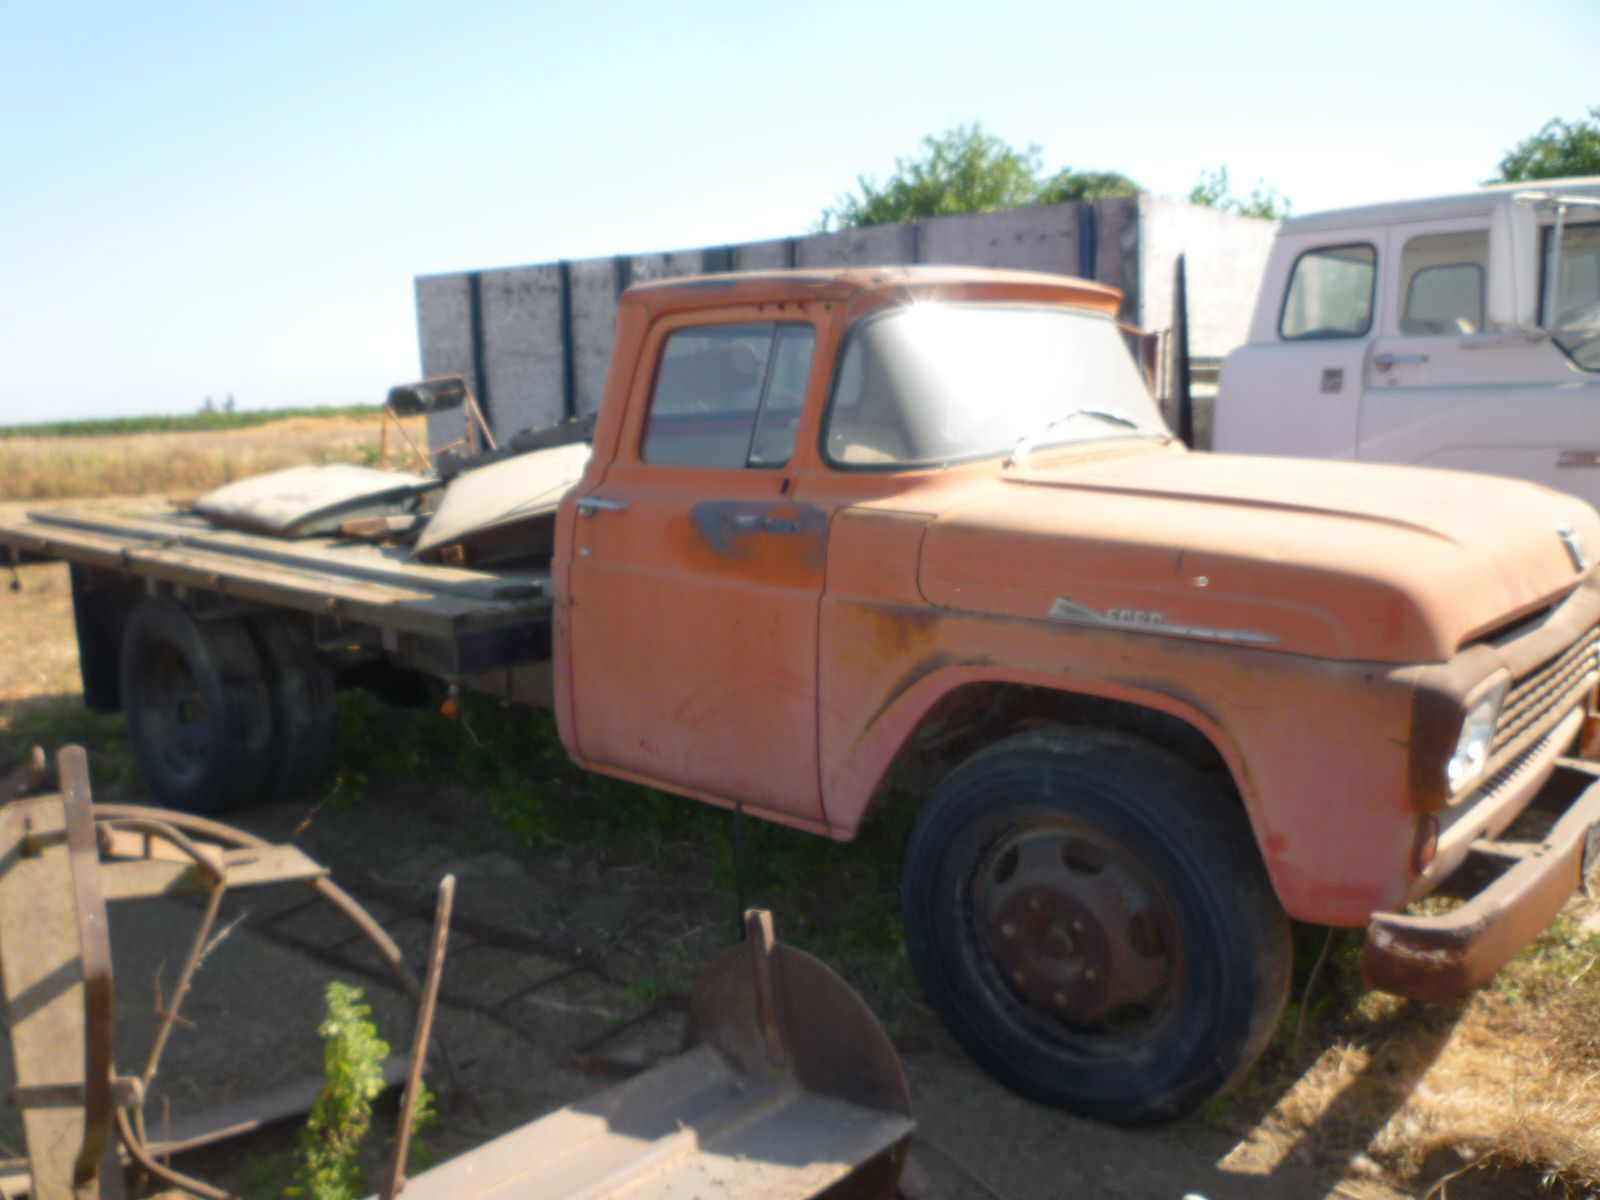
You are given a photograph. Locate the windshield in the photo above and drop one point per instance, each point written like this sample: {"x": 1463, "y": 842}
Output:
{"x": 936, "y": 383}
{"x": 1574, "y": 321}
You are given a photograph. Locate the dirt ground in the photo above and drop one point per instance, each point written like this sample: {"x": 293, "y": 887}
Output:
{"x": 587, "y": 991}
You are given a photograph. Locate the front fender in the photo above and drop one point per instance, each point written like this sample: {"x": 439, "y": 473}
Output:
{"x": 1317, "y": 749}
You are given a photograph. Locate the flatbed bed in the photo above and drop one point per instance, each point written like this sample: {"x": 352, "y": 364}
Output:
{"x": 448, "y": 621}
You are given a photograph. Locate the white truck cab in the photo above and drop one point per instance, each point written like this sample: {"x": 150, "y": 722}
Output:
{"x": 1461, "y": 331}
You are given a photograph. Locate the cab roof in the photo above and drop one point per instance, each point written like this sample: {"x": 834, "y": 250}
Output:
{"x": 841, "y": 284}
{"x": 1479, "y": 202}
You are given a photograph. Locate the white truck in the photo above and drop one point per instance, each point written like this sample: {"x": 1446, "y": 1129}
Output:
{"x": 1460, "y": 331}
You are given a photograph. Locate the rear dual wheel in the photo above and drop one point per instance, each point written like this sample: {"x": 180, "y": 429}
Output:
{"x": 1091, "y": 920}
{"x": 224, "y": 712}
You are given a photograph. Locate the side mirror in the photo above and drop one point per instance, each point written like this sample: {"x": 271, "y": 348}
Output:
{"x": 429, "y": 396}
{"x": 1513, "y": 299}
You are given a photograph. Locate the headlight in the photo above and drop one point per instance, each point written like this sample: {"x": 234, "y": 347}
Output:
{"x": 1467, "y": 764}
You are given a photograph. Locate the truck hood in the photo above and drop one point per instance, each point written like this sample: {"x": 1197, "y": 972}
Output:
{"x": 1330, "y": 559}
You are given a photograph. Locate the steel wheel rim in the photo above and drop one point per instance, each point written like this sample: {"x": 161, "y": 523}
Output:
{"x": 174, "y": 717}
{"x": 1071, "y": 926}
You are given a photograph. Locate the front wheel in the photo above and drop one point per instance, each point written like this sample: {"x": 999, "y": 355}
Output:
{"x": 1091, "y": 920}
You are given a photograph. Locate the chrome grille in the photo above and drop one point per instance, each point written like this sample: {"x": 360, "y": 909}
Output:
{"x": 1546, "y": 693}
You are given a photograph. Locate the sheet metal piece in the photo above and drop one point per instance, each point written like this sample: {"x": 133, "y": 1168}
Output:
{"x": 512, "y": 497}
{"x": 307, "y": 501}
{"x": 789, "y": 1089}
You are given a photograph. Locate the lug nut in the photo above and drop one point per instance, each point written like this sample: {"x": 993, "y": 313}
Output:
{"x": 1091, "y": 974}
{"x": 1061, "y": 999}
{"x": 1077, "y": 924}
{"x": 1008, "y": 930}
{"x": 1034, "y": 903}
{"x": 1018, "y": 978}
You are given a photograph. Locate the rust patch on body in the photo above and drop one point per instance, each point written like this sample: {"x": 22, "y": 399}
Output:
{"x": 903, "y": 629}
{"x": 734, "y": 528}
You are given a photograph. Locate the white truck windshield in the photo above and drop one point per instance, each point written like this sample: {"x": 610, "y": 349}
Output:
{"x": 1575, "y": 320}
{"x": 935, "y": 383}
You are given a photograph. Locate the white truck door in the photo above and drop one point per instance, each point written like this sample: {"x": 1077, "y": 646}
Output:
{"x": 1295, "y": 388}
{"x": 1441, "y": 389}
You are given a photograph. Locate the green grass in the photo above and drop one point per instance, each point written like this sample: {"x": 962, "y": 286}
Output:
{"x": 63, "y": 722}
{"x": 1563, "y": 959}
{"x": 838, "y": 901}
{"x": 200, "y": 422}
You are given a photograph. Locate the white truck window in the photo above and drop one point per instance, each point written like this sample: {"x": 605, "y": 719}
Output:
{"x": 1575, "y": 323}
{"x": 1330, "y": 293}
{"x": 1441, "y": 278}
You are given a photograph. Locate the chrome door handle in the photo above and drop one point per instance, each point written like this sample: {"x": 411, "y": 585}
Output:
{"x": 589, "y": 505}
{"x": 1384, "y": 361}
{"x": 754, "y": 522}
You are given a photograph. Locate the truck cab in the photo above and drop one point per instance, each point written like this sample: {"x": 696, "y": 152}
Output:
{"x": 1459, "y": 332}
{"x": 844, "y": 531}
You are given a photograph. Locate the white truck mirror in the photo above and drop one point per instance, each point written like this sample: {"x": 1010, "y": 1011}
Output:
{"x": 1513, "y": 299}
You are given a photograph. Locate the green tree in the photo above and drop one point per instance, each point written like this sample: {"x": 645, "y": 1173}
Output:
{"x": 1068, "y": 184}
{"x": 1560, "y": 148}
{"x": 1211, "y": 190}
{"x": 966, "y": 170}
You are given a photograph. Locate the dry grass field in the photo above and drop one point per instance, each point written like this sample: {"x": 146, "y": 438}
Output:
{"x": 140, "y": 464}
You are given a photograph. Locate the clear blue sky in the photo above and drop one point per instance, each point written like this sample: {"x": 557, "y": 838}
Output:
{"x": 210, "y": 198}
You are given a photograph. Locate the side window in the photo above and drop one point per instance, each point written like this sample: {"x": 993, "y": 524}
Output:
{"x": 785, "y": 393}
{"x": 1330, "y": 293}
{"x": 729, "y": 395}
{"x": 1441, "y": 280}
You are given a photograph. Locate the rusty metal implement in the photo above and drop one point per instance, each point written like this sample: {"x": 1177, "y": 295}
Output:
{"x": 62, "y": 860}
{"x": 788, "y": 1087}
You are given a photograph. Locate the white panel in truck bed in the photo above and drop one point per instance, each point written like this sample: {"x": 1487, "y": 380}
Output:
{"x": 304, "y": 501}
{"x": 512, "y": 490}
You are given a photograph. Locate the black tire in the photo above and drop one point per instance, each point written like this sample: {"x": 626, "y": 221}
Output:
{"x": 304, "y": 703}
{"x": 1091, "y": 920}
{"x": 197, "y": 707}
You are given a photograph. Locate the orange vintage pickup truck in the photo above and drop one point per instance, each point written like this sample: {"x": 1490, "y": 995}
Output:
{"x": 840, "y": 531}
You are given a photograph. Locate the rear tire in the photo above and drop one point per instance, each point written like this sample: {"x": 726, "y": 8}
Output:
{"x": 1090, "y": 918}
{"x": 197, "y": 707}
{"x": 304, "y": 701}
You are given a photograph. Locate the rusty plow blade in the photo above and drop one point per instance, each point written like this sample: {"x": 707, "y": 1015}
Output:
{"x": 788, "y": 1087}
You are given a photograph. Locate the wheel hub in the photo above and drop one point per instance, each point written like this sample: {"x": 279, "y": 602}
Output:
{"x": 1075, "y": 926}
{"x": 175, "y": 711}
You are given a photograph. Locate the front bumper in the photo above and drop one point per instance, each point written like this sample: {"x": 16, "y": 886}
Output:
{"x": 1512, "y": 890}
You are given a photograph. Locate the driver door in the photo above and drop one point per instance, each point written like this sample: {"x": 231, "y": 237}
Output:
{"x": 696, "y": 578}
